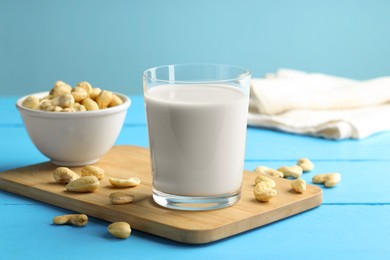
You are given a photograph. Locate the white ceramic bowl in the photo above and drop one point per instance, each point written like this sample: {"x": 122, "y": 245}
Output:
{"x": 74, "y": 138}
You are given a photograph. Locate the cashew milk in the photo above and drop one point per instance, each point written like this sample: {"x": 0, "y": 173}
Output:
{"x": 197, "y": 138}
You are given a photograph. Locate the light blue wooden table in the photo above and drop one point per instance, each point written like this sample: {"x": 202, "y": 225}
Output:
{"x": 353, "y": 221}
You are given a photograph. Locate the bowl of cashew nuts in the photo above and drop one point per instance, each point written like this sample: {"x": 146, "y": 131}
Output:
{"x": 73, "y": 126}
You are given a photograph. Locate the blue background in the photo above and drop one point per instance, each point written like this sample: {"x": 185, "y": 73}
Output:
{"x": 110, "y": 43}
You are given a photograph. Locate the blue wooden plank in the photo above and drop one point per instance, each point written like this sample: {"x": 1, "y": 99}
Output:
{"x": 135, "y": 135}
{"x": 7, "y": 198}
{"x": 326, "y": 232}
{"x": 16, "y": 149}
{"x": 136, "y": 113}
{"x": 8, "y": 112}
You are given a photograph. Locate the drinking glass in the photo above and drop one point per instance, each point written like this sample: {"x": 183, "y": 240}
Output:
{"x": 196, "y": 118}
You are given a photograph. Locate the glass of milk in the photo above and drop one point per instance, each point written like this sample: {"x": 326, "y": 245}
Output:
{"x": 196, "y": 116}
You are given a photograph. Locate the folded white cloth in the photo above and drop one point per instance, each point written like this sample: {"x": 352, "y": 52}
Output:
{"x": 320, "y": 105}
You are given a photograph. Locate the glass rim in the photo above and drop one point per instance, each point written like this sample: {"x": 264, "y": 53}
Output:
{"x": 246, "y": 73}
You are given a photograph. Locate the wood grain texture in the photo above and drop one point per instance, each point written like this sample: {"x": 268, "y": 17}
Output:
{"x": 36, "y": 181}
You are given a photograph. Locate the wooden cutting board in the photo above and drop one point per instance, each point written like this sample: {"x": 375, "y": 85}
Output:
{"x": 36, "y": 181}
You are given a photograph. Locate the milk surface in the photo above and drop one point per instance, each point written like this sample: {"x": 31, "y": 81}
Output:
{"x": 197, "y": 138}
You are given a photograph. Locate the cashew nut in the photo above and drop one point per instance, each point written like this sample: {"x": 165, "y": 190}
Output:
{"x": 59, "y": 83}
{"x": 294, "y": 171}
{"x": 261, "y": 178}
{"x": 79, "y": 94}
{"x": 264, "y": 192}
{"x": 328, "y": 179}
{"x": 119, "y": 198}
{"x": 269, "y": 171}
{"x": 47, "y": 105}
{"x": 123, "y": 183}
{"x": 120, "y": 229}
{"x": 78, "y": 107}
{"x": 74, "y": 219}
{"x": 104, "y": 99}
{"x": 64, "y": 175}
{"x": 83, "y": 184}
{"x": 85, "y": 85}
{"x": 64, "y": 98}
{"x": 305, "y": 164}
{"x": 115, "y": 101}
{"x": 89, "y": 104}
{"x": 298, "y": 185}
{"x": 60, "y": 88}
{"x": 94, "y": 93}
{"x": 91, "y": 170}
{"x": 31, "y": 102}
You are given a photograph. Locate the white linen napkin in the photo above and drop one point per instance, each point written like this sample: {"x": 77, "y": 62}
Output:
{"x": 320, "y": 105}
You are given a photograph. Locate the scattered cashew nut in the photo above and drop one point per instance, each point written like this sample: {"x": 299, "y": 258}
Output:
{"x": 264, "y": 192}
{"x": 298, "y": 185}
{"x": 83, "y": 184}
{"x": 294, "y": 171}
{"x": 305, "y": 164}
{"x": 261, "y": 178}
{"x": 124, "y": 183}
{"x": 74, "y": 219}
{"x": 328, "y": 179}
{"x": 91, "y": 170}
{"x": 120, "y": 229}
{"x": 119, "y": 198}
{"x": 64, "y": 175}
{"x": 269, "y": 171}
